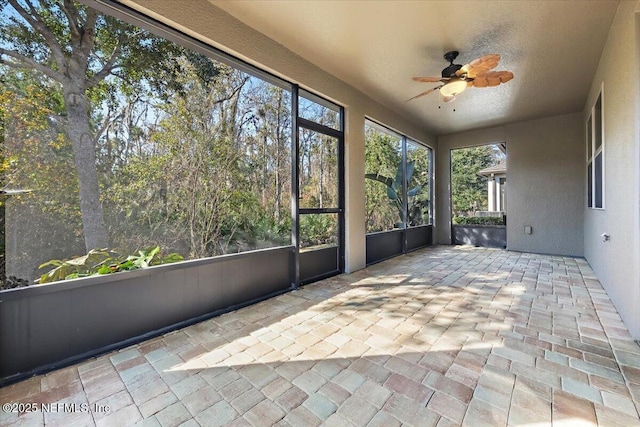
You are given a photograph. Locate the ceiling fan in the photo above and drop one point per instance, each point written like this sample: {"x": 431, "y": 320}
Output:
{"x": 456, "y": 78}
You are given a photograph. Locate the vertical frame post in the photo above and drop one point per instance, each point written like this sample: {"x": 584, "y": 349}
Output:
{"x": 295, "y": 190}
{"x": 405, "y": 201}
{"x": 341, "y": 194}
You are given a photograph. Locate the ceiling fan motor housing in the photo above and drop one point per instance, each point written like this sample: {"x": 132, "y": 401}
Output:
{"x": 450, "y": 71}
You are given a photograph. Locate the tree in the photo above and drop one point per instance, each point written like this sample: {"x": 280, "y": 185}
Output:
{"x": 38, "y": 157}
{"x": 385, "y": 189}
{"x": 81, "y": 50}
{"x": 419, "y": 205}
{"x": 188, "y": 153}
{"x": 468, "y": 189}
{"x": 265, "y": 133}
{"x": 383, "y": 156}
{"x": 395, "y": 190}
{"x": 206, "y": 190}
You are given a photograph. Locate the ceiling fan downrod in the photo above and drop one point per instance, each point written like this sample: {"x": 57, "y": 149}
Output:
{"x": 451, "y": 56}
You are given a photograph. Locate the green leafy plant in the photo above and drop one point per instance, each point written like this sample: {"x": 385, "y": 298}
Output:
{"x": 394, "y": 193}
{"x": 317, "y": 230}
{"x": 477, "y": 220}
{"x": 103, "y": 261}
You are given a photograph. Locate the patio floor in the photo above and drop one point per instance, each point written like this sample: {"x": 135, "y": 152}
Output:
{"x": 442, "y": 336}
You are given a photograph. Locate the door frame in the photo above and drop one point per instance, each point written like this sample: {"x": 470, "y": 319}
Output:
{"x": 299, "y": 123}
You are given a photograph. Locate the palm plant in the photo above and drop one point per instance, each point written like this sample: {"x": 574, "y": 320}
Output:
{"x": 415, "y": 207}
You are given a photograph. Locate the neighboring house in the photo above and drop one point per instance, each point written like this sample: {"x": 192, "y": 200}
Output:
{"x": 496, "y": 187}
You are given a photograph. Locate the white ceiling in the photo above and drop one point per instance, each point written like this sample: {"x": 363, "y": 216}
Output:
{"x": 552, "y": 47}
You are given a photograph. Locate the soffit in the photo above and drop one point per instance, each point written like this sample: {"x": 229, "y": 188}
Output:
{"x": 552, "y": 47}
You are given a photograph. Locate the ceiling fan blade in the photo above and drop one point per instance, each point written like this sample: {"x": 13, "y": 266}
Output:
{"x": 427, "y": 92}
{"x": 479, "y": 65}
{"x": 492, "y": 78}
{"x": 427, "y": 79}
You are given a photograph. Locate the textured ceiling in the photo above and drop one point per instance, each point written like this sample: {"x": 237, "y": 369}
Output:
{"x": 552, "y": 47}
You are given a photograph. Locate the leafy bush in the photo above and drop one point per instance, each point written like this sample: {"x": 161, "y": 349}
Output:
{"x": 317, "y": 230}
{"x": 98, "y": 262}
{"x": 478, "y": 220}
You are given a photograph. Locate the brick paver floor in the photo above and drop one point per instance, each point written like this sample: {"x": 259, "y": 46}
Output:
{"x": 443, "y": 336}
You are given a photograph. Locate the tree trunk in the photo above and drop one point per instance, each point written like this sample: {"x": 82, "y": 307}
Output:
{"x": 84, "y": 155}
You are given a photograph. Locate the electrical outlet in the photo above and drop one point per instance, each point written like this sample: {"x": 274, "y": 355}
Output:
{"x": 528, "y": 229}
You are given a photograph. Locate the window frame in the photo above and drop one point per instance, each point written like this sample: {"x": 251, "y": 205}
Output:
{"x": 404, "y": 141}
{"x": 129, "y": 15}
{"x": 399, "y": 140}
{"x": 593, "y": 153}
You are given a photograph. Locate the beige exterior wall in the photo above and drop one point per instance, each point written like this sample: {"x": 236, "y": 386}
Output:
{"x": 617, "y": 262}
{"x": 545, "y": 182}
{"x": 208, "y": 23}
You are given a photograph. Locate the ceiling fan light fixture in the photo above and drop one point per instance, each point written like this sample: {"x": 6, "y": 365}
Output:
{"x": 456, "y": 78}
{"x": 453, "y": 88}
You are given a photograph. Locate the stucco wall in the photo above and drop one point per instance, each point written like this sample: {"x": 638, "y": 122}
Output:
{"x": 616, "y": 262}
{"x": 545, "y": 185}
{"x": 545, "y": 182}
{"x": 213, "y": 26}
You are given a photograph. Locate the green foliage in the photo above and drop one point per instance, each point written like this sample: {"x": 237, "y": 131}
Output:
{"x": 468, "y": 189}
{"x": 477, "y": 220}
{"x": 99, "y": 262}
{"x": 383, "y": 155}
{"x": 318, "y": 170}
{"x": 384, "y": 198}
{"x": 419, "y": 205}
{"x": 97, "y": 58}
{"x": 394, "y": 187}
{"x": 190, "y": 153}
{"x": 316, "y": 230}
{"x": 395, "y": 194}
{"x": 38, "y": 156}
